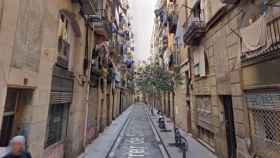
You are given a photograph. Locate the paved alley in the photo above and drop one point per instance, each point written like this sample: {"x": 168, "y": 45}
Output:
{"x": 135, "y": 134}
{"x": 137, "y": 139}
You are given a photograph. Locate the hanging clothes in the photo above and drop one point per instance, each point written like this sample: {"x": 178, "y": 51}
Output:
{"x": 254, "y": 35}
{"x": 179, "y": 36}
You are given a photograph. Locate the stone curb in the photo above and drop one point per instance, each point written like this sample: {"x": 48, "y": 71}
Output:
{"x": 83, "y": 155}
{"x": 162, "y": 147}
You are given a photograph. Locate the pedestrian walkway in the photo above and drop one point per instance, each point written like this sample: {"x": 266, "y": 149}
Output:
{"x": 101, "y": 146}
{"x": 137, "y": 139}
{"x": 135, "y": 133}
{"x": 195, "y": 149}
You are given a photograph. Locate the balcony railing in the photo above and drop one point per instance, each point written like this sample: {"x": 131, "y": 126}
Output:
{"x": 230, "y": 1}
{"x": 63, "y": 53}
{"x": 272, "y": 49}
{"x": 172, "y": 22}
{"x": 195, "y": 28}
{"x": 88, "y": 6}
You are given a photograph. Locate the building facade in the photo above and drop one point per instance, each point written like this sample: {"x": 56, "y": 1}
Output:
{"x": 225, "y": 50}
{"x": 61, "y": 72}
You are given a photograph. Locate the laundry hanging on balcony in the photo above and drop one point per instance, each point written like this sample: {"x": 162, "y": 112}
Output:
{"x": 114, "y": 28}
{"x": 179, "y": 36}
{"x": 254, "y": 35}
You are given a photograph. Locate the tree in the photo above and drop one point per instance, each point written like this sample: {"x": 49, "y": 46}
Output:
{"x": 153, "y": 79}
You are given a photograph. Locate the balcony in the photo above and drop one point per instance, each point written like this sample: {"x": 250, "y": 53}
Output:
{"x": 88, "y": 7}
{"x": 230, "y": 1}
{"x": 164, "y": 42}
{"x": 270, "y": 50}
{"x": 102, "y": 27}
{"x": 195, "y": 29}
{"x": 63, "y": 51}
{"x": 172, "y": 23}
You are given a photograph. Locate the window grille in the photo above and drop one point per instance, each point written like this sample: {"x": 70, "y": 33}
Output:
{"x": 266, "y": 131}
{"x": 57, "y": 122}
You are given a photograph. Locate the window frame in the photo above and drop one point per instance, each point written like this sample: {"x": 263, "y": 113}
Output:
{"x": 57, "y": 132}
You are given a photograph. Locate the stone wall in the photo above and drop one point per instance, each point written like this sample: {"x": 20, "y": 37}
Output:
{"x": 222, "y": 47}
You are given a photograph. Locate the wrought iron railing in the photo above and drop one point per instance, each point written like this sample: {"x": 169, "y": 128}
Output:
{"x": 272, "y": 49}
{"x": 195, "y": 27}
{"x": 273, "y": 30}
{"x": 63, "y": 53}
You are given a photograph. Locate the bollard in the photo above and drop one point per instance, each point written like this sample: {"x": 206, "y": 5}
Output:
{"x": 184, "y": 150}
{"x": 161, "y": 123}
{"x": 152, "y": 112}
{"x": 177, "y": 137}
{"x": 159, "y": 113}
{"x": 184, "y": 147}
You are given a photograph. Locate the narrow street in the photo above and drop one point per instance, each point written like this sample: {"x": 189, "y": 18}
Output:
{"x": 140, "y": 78}
{"x": 137, "y": 139}
{"x": 135, "y": 134}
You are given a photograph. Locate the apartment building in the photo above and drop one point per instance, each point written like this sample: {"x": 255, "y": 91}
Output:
{"x": 50, "y": 91}
{"x": 225, "y": 50}
{"x": 221, "y": 39}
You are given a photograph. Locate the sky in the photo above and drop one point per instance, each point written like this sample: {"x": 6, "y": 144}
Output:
{"x": 142, "y": 12}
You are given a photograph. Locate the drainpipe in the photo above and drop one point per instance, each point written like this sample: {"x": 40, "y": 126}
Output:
{"x": 87, "y": 73}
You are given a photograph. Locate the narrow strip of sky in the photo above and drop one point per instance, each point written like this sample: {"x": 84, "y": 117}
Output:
{"x": 142, "y": 12}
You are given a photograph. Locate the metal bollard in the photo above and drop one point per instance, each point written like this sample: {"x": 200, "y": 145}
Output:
{"x": 161, "y": 123}
{"x": 184, "y": 150}
{"x": 177, "y": 137}
{"x": 184, "y": 147}
{"x": 152, "y": 111}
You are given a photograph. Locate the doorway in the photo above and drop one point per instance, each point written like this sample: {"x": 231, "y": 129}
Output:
{"x": 101, "y": 126}
{"x": 189, "y": 117}
{"x": 120, "y": 105}
{"x": 113, "y": 104}
{"x": 229, "y": 125}
{"x": 15, "y": 112}
{"x": 108, "y": 109}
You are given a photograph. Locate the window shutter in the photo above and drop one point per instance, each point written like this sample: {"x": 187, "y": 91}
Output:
{"x": 202, "y": 64}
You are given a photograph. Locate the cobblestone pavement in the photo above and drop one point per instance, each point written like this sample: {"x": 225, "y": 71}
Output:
{"x": 137, "y": 139}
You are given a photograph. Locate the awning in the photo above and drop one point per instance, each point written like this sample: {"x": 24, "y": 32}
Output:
{"x": 72, "y": 18}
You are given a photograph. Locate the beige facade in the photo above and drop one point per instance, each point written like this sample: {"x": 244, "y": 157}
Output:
{"x": 217, "y": 78}
{"x": 47, "y": 90}
{"x": 227, "y": 99}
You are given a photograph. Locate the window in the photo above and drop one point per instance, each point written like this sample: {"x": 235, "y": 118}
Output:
{"x": 201, "y": 67}
{"x": 265, "y": 122}
{"x": 206, "y": 135}
{"x": 57, "y": 123}
{"x": 197, "y": 10}
{"x": 196, "y": 69}
{"x": 63, "y": 42}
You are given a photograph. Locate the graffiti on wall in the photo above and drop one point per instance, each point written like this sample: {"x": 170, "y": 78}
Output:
{"x": 91, "y": 131}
